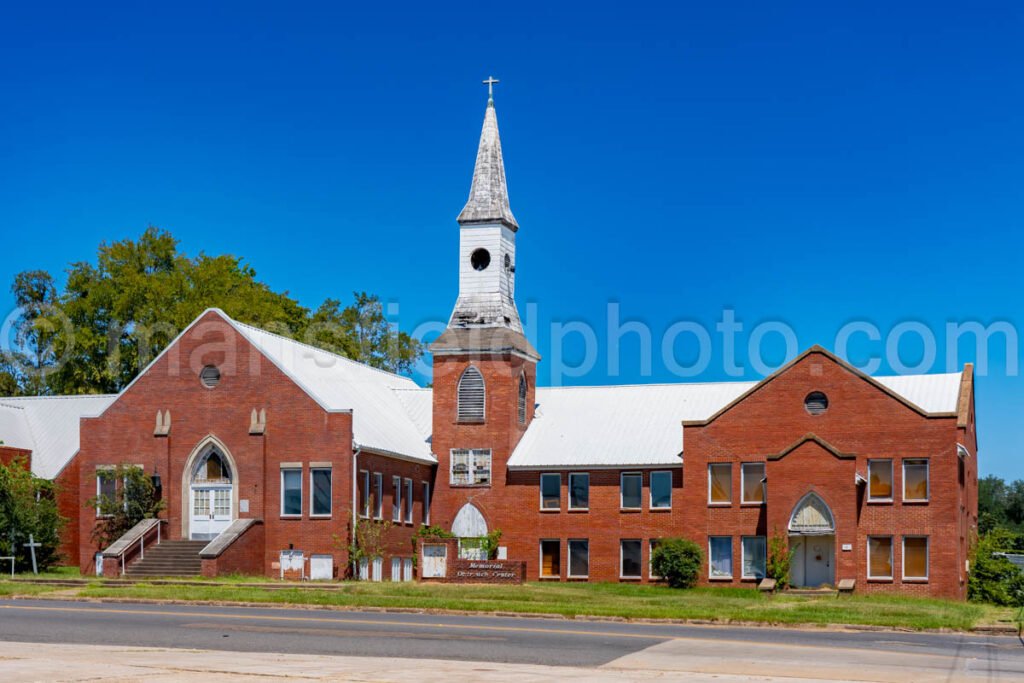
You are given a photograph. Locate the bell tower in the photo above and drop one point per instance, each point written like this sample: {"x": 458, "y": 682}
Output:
{"x": 484, "y": 367}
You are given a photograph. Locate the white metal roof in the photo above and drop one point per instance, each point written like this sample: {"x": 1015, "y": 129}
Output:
{"x": 48, "y": 426}
{"x": 931, "y": 393}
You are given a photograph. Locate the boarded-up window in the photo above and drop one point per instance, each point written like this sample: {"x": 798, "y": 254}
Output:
{"x": 471, "y": 467}
{"x": 880, "y": 557}
{"x": 720, "y": 482}
{"x": 522, "y": 399}
{"x": 471, "y": 396}
{"x": 550, "y": 558}
{"x": 915, "y": 557}
{"x": 753, "y": 489}
{"x": 550, "y": 491}
{"x": 915, "y": 480}
{"x": 880, "y": 480}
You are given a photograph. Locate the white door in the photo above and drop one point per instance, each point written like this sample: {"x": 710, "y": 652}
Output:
{"x": 435, "y": 561}
{"x": 378, "y": 568}
{"x": 407, "y": 569}
{"x": 364, "y": 569}
{"x": 211, "y": 511}
{"x": 813, "y": 561}
{"x": 321, "y": 567}
{"x": 396, "y": 569}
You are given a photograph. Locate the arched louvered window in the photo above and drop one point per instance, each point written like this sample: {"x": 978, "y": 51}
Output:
{"x": 472, "y": 396}
{"x": 522, "y": 399}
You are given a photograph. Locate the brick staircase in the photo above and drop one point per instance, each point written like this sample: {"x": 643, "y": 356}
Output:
{"x": 169, "y": 558}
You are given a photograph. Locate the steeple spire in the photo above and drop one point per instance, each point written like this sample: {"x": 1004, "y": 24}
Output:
{"x": 488, "y": 195}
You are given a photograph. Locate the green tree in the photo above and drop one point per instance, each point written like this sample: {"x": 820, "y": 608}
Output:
{"x": 994, "y": 578}
{"x": 780, "y": 558}
{"x": 134, "y": 500}
{"x": 28, "y": 508}
{"x": 362, "y": 332}
{"x": 677, "y": 561}
{"x": 35, "y": 295}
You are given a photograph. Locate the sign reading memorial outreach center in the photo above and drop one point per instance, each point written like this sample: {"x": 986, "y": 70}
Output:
{"x": 487, "y": 571}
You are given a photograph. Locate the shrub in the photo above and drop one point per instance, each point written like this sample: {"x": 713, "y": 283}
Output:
{"x": 135, "y": 499}
{"x": 677, "y": 561}
{"x": 28, "y": 508}
{"x": 994, "y": 578}
{"x": 780, "y": 557}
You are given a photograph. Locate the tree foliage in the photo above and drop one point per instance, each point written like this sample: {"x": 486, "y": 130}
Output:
{"x": 28, "y": 509}
{"x": 677, "y": 561}
{"x": 117, "y": 313}
{"x": 780, "y": 560}
{"x": 1000, "y": 504}
{"x": 994, "y": 578}
{"x": 134, "y": 499}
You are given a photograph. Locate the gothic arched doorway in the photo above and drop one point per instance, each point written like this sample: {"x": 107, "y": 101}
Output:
{"x": 210, "y": 491}
{"x": 812, "y": 540}
{"x": 470, "y": 528}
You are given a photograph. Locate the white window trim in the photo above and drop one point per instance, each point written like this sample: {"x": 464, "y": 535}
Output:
{"x": 622, "y": 555}
{"x": 410, "y": 500}
{"x": 622, "y": 478}
{"x": 743, "y": 556}
{"x": 743, "y": 484}
{"x": 927, "y": 480}
{"x": 99, "y": 491}
{"x": 927, "y": 559}
{"x": 650, "y": 495}
{"x": 540, "y": 559}
{"x": 720, "y": 577}
{"x": 330, "y": 493}
{"x": 710, "y": 479}
{"x": 892, "y": 472}
{"x": 651, "y": 542}
{"x": 426, "y": 503}
{"x": 378, "y": 495}
{"x": 868, "y": 555}
{"x": 291, "y": 515}
{"x": 471, "y": 456}
{"x": 568, "y": 557}
{"x": 396, "y": 503}
{"x": 569, "y": 491}
{"x": 364, "y": 484}
{"x": 557, "y": 508}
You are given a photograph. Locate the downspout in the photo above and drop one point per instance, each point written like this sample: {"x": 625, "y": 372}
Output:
{"x": 356, "y": 450}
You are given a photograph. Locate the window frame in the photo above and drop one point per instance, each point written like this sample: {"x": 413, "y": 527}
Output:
{"x": 743, "y": 557}
{"x": 640, "y": 562}
{"x": 622, "y": 492}
{"x": 652, "y": 543}
{"x": 110, "y": 471}
{"x": 719, "y": 503}
{"x": 523, "y": 393}
{"x": 540, "y": 563}
{"x": 471, "y": 463}
{"x": 568, "y": 567}
{"x": 650, "y": 490}
{"x": 410, "y": 500}
{"x": 312, "y": 492}
{"x": 927, "y": 479}
{"x": 364, "y": 487}
{"x": 558, "y": 496}
{"x": 892, "y": 551}
{"x": 378, "y": 490}
{"x": 396, "y": 499}
{"x": 425, "y": 520}
{"x": 892, "y": 482}
{"x": 458, "y": 398}
{"x": 569, "y": 503}
{"x": 743, "y": 483}
{"x": 290, "y": 515}
{"x": 711, "y": 563}
{"x": 927, "y": 559}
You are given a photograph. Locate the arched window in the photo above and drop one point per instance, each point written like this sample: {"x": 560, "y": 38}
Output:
{"x": 472, "y": 396}
{"x": 522, "y": 399}
{"x": 211, "y": 469}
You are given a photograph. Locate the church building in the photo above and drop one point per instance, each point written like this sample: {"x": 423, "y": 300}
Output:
{"x": 266, "y": 450}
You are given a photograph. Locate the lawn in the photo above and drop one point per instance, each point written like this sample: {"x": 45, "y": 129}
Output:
{"x": 578, "y": 599}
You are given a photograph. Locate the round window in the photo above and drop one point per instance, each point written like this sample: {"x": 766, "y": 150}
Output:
{"x": 480, "y": 259}
{"x": 209, "y": 376}
{"x": 816, "y": 403}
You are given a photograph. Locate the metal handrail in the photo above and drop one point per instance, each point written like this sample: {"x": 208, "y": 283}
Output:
{"x": 128, "y": 540}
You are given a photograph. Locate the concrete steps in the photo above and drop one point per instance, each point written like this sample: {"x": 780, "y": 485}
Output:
{"x": 169, "y": 558}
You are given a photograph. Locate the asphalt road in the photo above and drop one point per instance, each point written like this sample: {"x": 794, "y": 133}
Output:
{"x": 489, "y": 639}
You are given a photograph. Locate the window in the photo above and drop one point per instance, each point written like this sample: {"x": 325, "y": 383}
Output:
{"x": 378, "y": 569}
{"x": 550, "y": 491}
{"x": 880, "y": 557}
{"x": 630, "y": 559}
{"x": 522, "y": 399}
{"x": 752, "y": 482}
{"x": 720, "y": 483}
{"x": 408, "y": 501}
{"x": 661, "y": 490}
{"x": 579, "y": 491}
{"x": 471, "y": 467}
{"x": 426, "y": 504}
{"x": 320, "y": 491}
{"x": 631, "y": 486}
{"x": 106, "y": 490}
{"x": 471, "y": 396}
{"x": 579, "y": 559}
{"x": 364, "y": 493}
{"x": 378, "y": 495}
{"x": 396, "y": 569}
{"x": 720, "y": 557}
{"x": 915, "y": 480}
{"x": 650, "y": 558}
{"x": 550, "y": 559}
{"x": 816, "y": 403}
{"x": 407, "y": 569}
{"x": 915, "y": 558}
{"x": 880, "y": 480}
{"x": 396, "y": 501}
{"x": 209, "y": 376}
{"x": 291, "y": 492}
{"x": 755, "y": 557}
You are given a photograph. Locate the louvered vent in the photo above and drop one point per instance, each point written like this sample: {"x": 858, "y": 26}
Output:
{"x": 816, "y": 403}
{"x": 471, "y": 396}
{"x": 522, "y": 400}
{"x": 209, "y": 376}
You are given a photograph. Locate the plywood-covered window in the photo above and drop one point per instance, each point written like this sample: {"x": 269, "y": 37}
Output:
{"x": 880, "y": 480}
{"x": 752, "y": 482}
{"x": 915, "y": 480}
{"x": 879, "y": 557}
{"x": 470, "y": 466}
{"x": 550, "y": 491}
{"x": 579, "y": 491}
{"x": 720, "y": 483}
{"x": 471, "y": 396}
{"x": 915, "y": 558}
{"x": 550, "y": 558}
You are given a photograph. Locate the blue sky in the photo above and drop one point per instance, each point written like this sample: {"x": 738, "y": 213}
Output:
{"x": 808, "y": 163}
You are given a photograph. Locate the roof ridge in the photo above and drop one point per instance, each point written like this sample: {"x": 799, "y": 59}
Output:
{"x": 651, "y": 384}
{"x": 56, "y": 398}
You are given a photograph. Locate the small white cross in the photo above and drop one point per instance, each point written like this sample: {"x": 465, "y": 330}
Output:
{"x": 32, "y": 545}
{"x": 491, "y": 80}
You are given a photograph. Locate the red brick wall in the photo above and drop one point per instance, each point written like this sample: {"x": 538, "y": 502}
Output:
{"x": 244, "y": 556}
{"x": 9, "y": 454}
{"x": 70, "y": 508}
